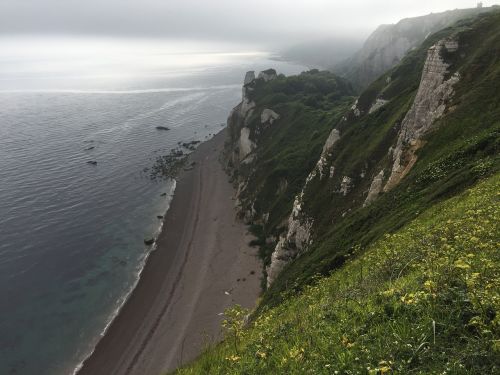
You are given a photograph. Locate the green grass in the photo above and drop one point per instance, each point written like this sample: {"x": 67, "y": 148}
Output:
{"x": 424, "y": 300}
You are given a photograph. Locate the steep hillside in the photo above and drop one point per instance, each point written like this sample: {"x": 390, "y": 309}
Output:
{"x": 389, "y": 44}
{"x": 378, "y": 224}
{"x": 422, "y": 132}
{"x": 424, "y": 300}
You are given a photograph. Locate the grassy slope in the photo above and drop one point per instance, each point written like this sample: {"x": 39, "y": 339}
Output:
{"x": 462, "y": 149}
{"x": 424, "y": 300}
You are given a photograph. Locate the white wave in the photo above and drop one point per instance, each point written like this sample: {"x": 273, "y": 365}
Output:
{"x": 121, "y": 302}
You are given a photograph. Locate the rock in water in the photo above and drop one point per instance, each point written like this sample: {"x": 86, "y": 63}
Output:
{"x": 162, "y": 128}
{"x": 149, "y": 241}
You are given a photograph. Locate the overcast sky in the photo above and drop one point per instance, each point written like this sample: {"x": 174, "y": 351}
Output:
{"x": 254, "y": 21}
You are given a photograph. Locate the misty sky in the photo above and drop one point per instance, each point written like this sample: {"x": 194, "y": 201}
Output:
{"x": 261, "y": 22}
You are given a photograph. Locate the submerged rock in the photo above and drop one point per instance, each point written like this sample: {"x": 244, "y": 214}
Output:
{"x": 92, "y": 162}
{"x": 162, "y": 128}
{"x": 167, "y": 166}
{"x": 191, "y": 146}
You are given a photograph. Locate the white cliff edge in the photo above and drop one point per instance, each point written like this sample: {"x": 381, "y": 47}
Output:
{"x": 298, "y": 235}
{"x": 429, "y": 105}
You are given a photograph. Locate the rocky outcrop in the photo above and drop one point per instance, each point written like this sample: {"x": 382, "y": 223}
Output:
{"x": 333, "y": 137}
{"x": 379, "y": 103}
{"x": 429, "y": 105}
{"x": 268, "y": 75}
{"x": 268, "y": 116}
{"x": 296, "y": 239}
{"x": 355, "y": 110}
{"x": 298, "y": 235}
{"x": 345, "y": 185}
{"x": 249, "y": 77}
{"x": 241, "y": 143}
{"x": 245, "y": 145}
{"x": 375, "y": 188}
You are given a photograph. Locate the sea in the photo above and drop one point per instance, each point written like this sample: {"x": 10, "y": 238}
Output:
{"x": 72, "y": 232}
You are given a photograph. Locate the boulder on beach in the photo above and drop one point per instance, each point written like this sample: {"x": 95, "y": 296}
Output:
{"x": 149, "y": 241}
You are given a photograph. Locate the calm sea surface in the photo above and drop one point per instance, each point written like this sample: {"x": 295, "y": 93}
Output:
{"x": 71, "y": 233}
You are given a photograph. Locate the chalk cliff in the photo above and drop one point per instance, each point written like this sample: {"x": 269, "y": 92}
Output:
{"x": 388, "y": 44}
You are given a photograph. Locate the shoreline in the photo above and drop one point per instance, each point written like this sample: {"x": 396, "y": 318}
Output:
{"x": 202, "y": 264}
{"x": 125, "y": 298}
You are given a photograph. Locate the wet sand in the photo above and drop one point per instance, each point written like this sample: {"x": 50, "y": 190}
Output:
{"x": 190, "y": 279}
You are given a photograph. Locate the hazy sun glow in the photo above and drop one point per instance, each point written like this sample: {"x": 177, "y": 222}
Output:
{"x": 111, "y": 58}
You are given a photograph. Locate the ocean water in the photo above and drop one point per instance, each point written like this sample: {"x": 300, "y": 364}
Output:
{"x": 71, "y": 233}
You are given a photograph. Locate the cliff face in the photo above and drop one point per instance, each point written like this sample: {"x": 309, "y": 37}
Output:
{"x": 276, "y": 135}
{"x": 433, "y": 94}
{"x": 388, "y": 44}
{"x": 429, "y": 105}
{"x": 411, "y": 138}
{"x": 298, "y": 234}
{"x": 320, "y": 173}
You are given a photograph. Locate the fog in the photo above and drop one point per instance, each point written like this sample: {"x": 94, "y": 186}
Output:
{"x": 263, "y": 23}
{"x": 78, "y": 43}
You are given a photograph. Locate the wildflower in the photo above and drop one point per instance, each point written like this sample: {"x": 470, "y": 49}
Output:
{"x": 461, "y": 264}
{"x": 296, "y": 353}
{"x": 408, "y": 299}
{"x": 388, "y": 293}
{"x": 429, "y": 285}
{"x": 261, "y": 354}
{"x": 233, "y": 358}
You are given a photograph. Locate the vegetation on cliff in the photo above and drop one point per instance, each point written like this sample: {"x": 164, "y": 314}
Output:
{"x": 461, "y": 148}
{"x": 404, "y": 282}
{"x": 309, "y": 105}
